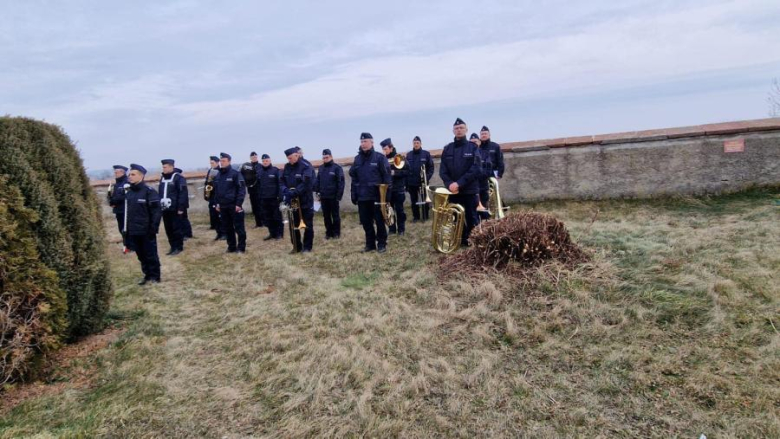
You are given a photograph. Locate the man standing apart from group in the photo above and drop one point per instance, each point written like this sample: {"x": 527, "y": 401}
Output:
{"x": 369, "y": 169}
{"x": 460, "y": 170}
{"x": 297, "y": 182}
{"x": 329, "y": 184}
{"x": 417, "y": 158}
{"x": 143, "y": 222}
{"x": 269, "y": 193}
{"x": 173, "y": 199}
{"x": 230, "y": 190}
{"x": 398, "y": 187}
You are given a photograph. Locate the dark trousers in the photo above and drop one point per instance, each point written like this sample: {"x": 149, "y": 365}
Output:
{"x": 330, "y": 211}
{"x": 469, "y": 203}
{"x": 484, "y": 194}
{"x": 120, "y": 222}
{"x": 233, "y": 224}
{"x": 213, "y": 217}
{"x": 371, "y": 214}
{"x": 146, "y": 250}
{"x": 414, "y": 198}
{"x": 308, "y": 233}
{"x": 272, "y": 217}
{"x": 257, "y": 211}
{"x": 397, "y": 201}
{"x": 173, "y": 230}
{"x": 186, "y": 226}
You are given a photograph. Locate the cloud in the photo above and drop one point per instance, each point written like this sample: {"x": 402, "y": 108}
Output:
{"x": 633, "y": 51}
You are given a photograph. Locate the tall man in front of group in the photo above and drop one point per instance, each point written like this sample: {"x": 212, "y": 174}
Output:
{"x": 268, "y": 181}
{"x": 211, "y": 197}
{"x": 459, "y": 170}
{"x": 298, "y": 182}
{"x": 230, "y": 190}
{"x": 143, "y": 222}
{"x": 329, "y": 184}
{"x": 174, "y": 200}
{"x": 417, "y": 158}
{"x": 116, "y": 199}
{"x": 369, "y": 169}
{"x": 398, "y": 188}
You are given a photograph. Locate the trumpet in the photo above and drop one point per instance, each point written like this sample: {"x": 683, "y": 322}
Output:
{"x": 448, "y": 222}
{"x": 388, "y": 214}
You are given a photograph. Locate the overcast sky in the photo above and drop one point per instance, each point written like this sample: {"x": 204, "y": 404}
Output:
{"x": 138, "y": 81}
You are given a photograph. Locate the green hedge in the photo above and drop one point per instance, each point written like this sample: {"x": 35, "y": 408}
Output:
{"x": 60, "y": 213}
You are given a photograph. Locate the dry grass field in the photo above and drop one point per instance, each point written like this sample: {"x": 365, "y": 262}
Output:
{"x": 670, "y": 331}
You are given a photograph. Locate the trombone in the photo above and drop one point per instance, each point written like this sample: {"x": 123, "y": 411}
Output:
{"x": 296, "y": 232}
{"x": 424, "y": 195}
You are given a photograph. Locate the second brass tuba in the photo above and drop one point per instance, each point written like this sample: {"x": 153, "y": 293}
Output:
{"x": 448, "y": 222}
{"x": 388, "y": 214}
{"x": 495, "y": 205}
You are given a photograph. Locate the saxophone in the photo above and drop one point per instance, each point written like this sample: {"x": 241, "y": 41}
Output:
{"x": 448, "y": 222}
{"x": 388, "y": 214}
{"x": 495, "y": 205}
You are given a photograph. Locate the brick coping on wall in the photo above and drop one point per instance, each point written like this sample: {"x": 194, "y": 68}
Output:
{"x": 745, "y": 126}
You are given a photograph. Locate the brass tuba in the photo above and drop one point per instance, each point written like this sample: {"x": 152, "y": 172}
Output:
{"x": 495, "y": 205}
{"x": 448, "y": 222}
{"x": 296, "y": 232}
{"x": 388, "y": 214}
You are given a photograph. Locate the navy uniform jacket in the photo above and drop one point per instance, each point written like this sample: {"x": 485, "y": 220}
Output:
{"x": 496, "y": 158}
{"x": 416, "y": 159}
{"x": 117, "y": 200}
{"x": 268, "y": 182}
{"x": 460, "y": 163}
{"x": 487, "y": 167}
{"x": 143, "y": 210}
{"x": 297, "y": 181}
{"x": 330, "y": 181}
{"x": 368, "y": 170}
{"x": 177, "y": 191}
{"x": 229, "y": 188}
{"x": 398, "y": 176}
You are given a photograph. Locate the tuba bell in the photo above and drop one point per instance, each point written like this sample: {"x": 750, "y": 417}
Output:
{"x": 495, "y": 206}
{"x": 448, "y": 222}
{"x": 388, "y": 214}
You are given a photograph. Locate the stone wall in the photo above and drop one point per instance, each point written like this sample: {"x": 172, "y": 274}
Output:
{"x": 704, "y": 159}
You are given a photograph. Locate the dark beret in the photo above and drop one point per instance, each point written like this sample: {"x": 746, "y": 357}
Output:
{"x": 366, "y": 136}
{"x": 265, "y": 156}
{"x": 459, "y": 121}
{"x": 386, "y": 142}
{"x": 474, "y": 136}
{"x": 290, "y": 151}
{"x": 326, "y": 151}
{"x": 124, "y": 168}
{"x": 485, "y": 128}
{"x": 138, "y": 168}
{"x": 225, "y": 155}
{"x": 167, "y": 162}
{"x": 252, "y": 154}
{"x": 416, "y": 139}
{"x": 214, "y": 158}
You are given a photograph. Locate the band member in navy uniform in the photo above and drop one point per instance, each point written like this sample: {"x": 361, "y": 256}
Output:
{"x": 417, "y": 158}
{"x": 230, "y": 190}
{"x": 143, "y": 222}
{"x": 460, "y": 170}
{"x": 173, "y": 200}
{"x": 484, "y": 175}
{"x": 297, "y": 182}
{"x": 186, "y": 226}
{"x": 398, "y": 188}
{"x": 496, "y": 156}
{"x": 329, "y": 184}
{"x": 268, "y": 178}
{"x": 116, "y": 199}
{"x": 300, "y": 156}
{"x": 211, "y": 174}
{"x": 249, "y": 172}
{"x": 369, "y": 169}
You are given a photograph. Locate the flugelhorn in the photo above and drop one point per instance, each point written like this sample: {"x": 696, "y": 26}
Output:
{"x": 448, "y": 222}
